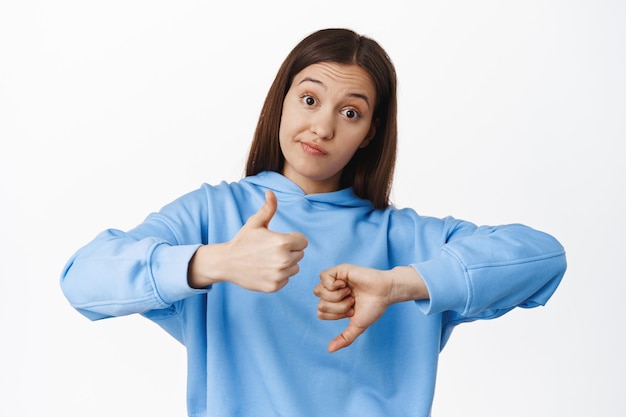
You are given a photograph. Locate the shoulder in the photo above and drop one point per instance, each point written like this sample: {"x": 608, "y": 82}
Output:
{"x": 406, "y": 224}
{"x": 208, "y": 198}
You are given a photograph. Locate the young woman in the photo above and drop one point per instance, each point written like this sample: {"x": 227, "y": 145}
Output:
{"x": 238, "y": 272}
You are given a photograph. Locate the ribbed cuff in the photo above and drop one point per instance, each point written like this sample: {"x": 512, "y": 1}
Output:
{"x": 169, "y": 272}
{"x": 447, "y": 284}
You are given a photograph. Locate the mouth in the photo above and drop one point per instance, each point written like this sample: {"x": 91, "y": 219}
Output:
{"x": 313, "y": 149}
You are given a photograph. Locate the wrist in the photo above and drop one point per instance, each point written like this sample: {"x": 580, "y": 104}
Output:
{"x": 407, "y": 285}
{"x": 203, "y": 270}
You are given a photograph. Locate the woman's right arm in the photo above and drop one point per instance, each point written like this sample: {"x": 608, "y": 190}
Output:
{"x": 166, "y": 259}
{"x": 120, "y": 273}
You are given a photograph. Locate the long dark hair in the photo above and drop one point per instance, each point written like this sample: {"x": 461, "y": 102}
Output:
{"x": 370, "y": 171}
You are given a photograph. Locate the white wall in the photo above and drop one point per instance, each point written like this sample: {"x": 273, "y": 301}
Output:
{"x": 509, "y": 112}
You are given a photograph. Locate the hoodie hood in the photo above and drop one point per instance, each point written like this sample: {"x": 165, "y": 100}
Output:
{"x": 285, "y": 190}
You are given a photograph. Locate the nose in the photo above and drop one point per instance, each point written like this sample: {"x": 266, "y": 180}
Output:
{"x": 323, "y": 124}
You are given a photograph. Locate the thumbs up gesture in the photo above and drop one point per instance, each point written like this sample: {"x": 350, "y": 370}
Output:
{"x": 256, "y": 258}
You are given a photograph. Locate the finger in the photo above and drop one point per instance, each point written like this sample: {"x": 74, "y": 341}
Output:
{"x": 334, "y": 284}
{"x": 331, "y": 296}
{"x": 346, "y": 338}
{"x": 282, "y": 283}
{"x": 273, "y": 286}
{"x": 329, "y": 279}
{"x": 339, "y": 284}
{"x": 341, "y": 308}
{"x": 262, "y": 217}
{"x": 298, "y": 241}
{"x": 296, "y": 256}
{"x": 290, "y": 270}
{"x": 329, "y": 317}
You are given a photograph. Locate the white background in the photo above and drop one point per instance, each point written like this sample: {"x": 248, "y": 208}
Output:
{"x": 509, "y": 112}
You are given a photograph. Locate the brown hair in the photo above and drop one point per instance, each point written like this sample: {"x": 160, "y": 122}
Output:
{"x": 370, "y": 171}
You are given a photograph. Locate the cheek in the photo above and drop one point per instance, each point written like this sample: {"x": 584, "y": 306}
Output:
{"x": 284, "y": 135}
{"x": 357, "y": 137}
{"x": 290, "y": 126}
{"x": 285, "y": 120}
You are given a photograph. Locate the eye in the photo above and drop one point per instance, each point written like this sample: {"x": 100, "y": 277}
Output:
{"x": 308, "y": 100}
{"x": 351, "y": 113}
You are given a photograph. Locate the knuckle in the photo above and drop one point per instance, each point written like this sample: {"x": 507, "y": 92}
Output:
{"x": 271, "y": 285}
{"x": 283, "y": 241}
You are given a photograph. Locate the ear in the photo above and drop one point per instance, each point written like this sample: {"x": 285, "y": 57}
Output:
{"x": 370, "y": 135}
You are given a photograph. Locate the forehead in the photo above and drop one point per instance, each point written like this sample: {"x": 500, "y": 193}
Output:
{"x": 348, "y": 78}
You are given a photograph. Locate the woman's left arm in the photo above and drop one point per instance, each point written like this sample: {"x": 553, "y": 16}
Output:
{"x": 490, "y": 269}
{"x": 480, "y": 272}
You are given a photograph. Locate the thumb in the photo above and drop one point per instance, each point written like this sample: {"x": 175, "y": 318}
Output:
{"x": 346, "y": 338}
{"x": 262, "y": 217}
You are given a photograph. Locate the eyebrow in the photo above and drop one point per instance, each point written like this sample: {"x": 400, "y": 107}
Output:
{"x": 355, "y": 95}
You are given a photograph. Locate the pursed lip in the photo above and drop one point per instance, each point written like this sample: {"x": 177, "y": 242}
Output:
{"x": 312, "y": 148}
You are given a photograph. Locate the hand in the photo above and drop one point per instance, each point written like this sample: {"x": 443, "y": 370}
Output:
{"x": 256, "y": 258}
{"x": 362, "y": 295}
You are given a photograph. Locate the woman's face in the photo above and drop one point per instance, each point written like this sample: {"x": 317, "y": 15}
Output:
{"x": 327, "y": 116}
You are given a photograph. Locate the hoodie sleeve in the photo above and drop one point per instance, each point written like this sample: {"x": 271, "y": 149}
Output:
{"x": 483, "y": 272}
{"x": 120, "y": 273}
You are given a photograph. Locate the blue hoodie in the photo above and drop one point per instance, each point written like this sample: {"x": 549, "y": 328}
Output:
{"x": 257, "y": 354}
